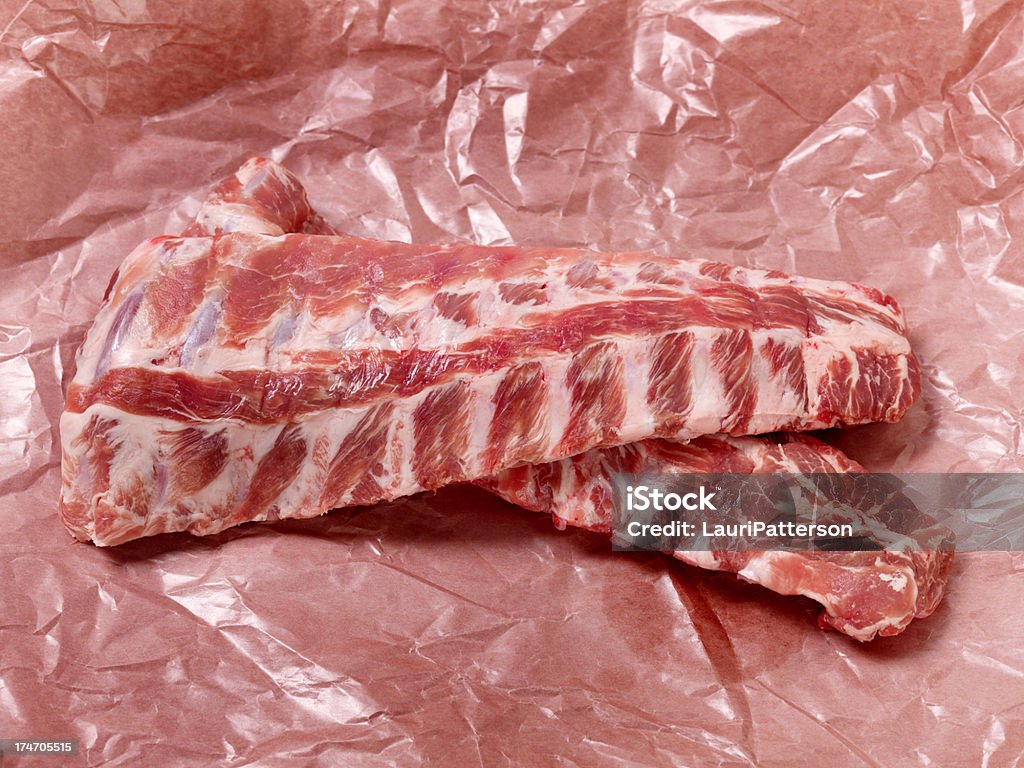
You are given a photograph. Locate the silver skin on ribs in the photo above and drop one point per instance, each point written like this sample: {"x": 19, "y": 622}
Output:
{"x": 255, "y": 378}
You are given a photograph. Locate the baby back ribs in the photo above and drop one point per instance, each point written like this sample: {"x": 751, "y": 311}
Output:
{"x": 250, "y": 377}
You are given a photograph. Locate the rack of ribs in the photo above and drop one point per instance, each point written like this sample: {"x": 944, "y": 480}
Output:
{"x": 267, "y": 367}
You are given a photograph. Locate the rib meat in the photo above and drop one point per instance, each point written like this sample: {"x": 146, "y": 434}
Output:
{"x": 396, "y": 368}
{"x": 251, "y": 377}
{"x": 863, "y": 593}
{"x": 222, "y": 453}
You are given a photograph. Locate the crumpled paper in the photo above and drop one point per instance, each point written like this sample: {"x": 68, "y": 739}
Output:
{"x": 879, "y": 142}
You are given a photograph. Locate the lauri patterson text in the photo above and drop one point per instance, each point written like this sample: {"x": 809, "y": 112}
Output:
{"x": 755, "y": 529}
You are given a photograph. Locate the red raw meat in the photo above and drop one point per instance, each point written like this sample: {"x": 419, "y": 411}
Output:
{"x": 247, "y": 377}
{"x": 863, "y": 593}
{"x": 264, "y": 198}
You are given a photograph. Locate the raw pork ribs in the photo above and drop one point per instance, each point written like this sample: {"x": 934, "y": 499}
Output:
{"x": 266, "y": 367}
